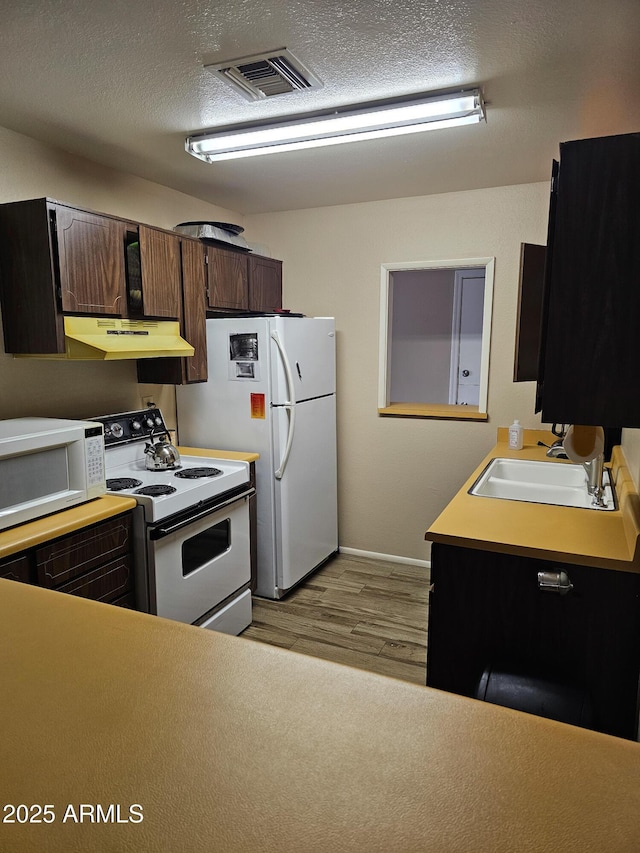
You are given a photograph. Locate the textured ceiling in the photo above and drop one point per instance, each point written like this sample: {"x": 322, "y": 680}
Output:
{"x": 123, "y": 83}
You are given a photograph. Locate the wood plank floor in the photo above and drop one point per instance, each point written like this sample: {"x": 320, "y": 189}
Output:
{"x": 365, "y": 613}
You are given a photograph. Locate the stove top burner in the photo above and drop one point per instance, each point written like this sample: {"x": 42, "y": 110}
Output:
{"x": 155, "y": 490}
{"x": 117, "y": 484}
{"x": 196, "y": 473}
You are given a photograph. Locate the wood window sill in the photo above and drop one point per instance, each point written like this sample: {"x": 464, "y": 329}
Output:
{"x": 432, "y": 410}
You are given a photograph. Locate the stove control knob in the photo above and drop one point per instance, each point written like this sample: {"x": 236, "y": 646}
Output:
{"x": 149, "y": 423}
{"x": 158, "y": 420}
{"x": 136, "y": 425}
{"x": 117, "y": 431}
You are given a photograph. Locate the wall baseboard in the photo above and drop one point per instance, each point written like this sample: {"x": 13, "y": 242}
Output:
{"x": 390, "y": 558}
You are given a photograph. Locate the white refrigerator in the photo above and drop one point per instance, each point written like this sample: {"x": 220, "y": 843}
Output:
{"x": 271, "y": 389}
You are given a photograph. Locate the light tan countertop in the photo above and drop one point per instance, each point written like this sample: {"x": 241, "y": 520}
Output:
{"x": 238, "y": 455}
{"x": 33, "y": 533}
{"x": 233, "y": 746}
{"x": 571, "y": 535}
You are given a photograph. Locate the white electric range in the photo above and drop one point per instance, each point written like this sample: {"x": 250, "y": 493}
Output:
{"x": 192, "y": 526}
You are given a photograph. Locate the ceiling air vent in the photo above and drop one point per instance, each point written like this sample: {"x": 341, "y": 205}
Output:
{"x": 266, "y": 74}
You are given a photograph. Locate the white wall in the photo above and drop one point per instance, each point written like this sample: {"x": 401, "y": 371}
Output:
{"x": 81, "y": 389}
{"x": 397, "y": 474}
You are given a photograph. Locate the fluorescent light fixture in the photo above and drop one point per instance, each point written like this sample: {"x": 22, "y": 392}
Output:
{"x": 348, "y": 124}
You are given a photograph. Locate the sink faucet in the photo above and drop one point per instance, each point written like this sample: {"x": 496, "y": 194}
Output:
{"x": 595, "y": 487}
{"x": 557, "y": 451}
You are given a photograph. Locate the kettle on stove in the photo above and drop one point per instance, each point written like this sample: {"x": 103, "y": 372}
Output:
{"x": 161, "y": 454}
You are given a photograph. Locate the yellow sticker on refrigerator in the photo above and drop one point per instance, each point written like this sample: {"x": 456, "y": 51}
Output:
{"x": 257, "y": 406}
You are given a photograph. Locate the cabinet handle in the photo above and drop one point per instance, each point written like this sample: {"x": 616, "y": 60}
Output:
{"x": 554, "y": 582}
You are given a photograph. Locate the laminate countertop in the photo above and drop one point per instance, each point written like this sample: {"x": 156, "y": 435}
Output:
{"x": 190, "y": 740}
{"x": 580, "y": 536}
{"x": 238, "y": 455}
{"x": 33, "y": 533}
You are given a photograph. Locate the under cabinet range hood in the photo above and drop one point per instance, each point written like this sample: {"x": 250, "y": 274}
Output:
{"x": 111, "y": 339}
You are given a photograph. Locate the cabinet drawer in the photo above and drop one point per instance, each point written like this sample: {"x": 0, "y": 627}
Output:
{"x": 103, "y": 584}
{"x": 66, "y": 558}
{"x": 128, "y": 600}
{"x": 16, "y": 569}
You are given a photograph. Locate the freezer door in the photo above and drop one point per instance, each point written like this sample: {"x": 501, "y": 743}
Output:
{"x": 231, "y": 410}
{"x": 306, "y": 496}
{"x": 309, "y": 346}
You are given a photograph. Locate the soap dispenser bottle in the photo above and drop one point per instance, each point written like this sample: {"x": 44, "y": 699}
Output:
{"x": 515, "y": 435}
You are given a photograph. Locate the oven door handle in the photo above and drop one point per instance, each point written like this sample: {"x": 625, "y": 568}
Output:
{"x": 161, "y": 530}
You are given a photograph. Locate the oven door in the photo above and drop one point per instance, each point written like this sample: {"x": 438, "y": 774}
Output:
{"x": 195, "y": 564}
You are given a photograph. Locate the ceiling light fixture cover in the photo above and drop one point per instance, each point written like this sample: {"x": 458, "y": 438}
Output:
{"x": 348, "y": 124}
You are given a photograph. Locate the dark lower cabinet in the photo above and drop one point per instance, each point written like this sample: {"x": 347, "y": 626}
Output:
{"x": 487, "y": 610}
{"x": 96, "y": 562}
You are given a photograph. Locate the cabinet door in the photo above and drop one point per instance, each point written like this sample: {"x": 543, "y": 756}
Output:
{"x": 532, "y": 261}
{"x": 91, "y": 261}
{"x": 195, "y": 309}
{"x": 546, "y": 285}
{"x": 227, "y": 274}
{"x": 486, "y": 608}
{"x": 29, "y": 286}
{"x": 160, "y": 273}
{"x": 594, "y": 300}
{"x": 178, "y": 371}
{"x": 265, "y": 284}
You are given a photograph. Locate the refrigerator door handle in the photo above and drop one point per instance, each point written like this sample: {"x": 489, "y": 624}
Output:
{"x": 290, "y": 405}
{"x": 291, "y": 412}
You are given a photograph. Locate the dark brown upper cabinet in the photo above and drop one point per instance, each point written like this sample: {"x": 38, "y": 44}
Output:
{"x": 238, "y": 281}
{"x": 56, "y": 259}
{"x": 90, "y": 252}
{"x": 180, "y": 371}
{"x": 532, "y": 258}
{"x": 160, "y": 273}
{"x": 228, "y": 281}
{"x": 265, "y": 284}
{"x": 31, "y": 303}
{"x": 591, "y": 303}
{"x": 194, "y": 285}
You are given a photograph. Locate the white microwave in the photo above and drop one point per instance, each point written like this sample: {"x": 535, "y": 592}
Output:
{"x": 47, "y": 465}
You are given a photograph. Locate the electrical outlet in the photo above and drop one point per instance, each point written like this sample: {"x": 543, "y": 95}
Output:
{"x": 148, "y": 402}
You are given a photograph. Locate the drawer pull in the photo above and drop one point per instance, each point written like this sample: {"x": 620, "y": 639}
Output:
{"x": 554, "y": 582}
